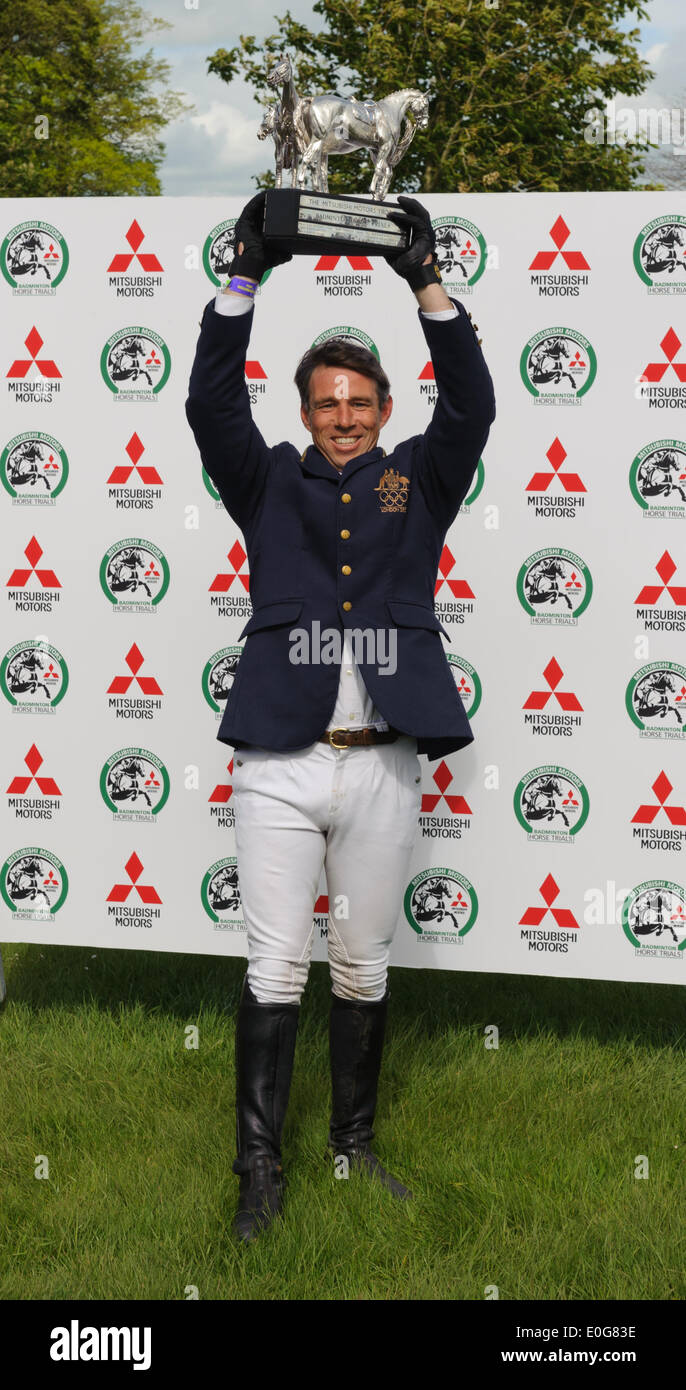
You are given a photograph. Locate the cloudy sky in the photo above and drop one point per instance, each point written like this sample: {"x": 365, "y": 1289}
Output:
{"x": 213, "y": 149}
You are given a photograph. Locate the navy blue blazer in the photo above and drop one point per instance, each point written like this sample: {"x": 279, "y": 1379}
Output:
{"x": 292, "y": 509}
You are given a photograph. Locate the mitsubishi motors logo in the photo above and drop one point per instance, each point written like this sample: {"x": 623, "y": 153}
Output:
{"x": 349, "y": 282}
{"x": 33, "y": 599}
{"x": 225, "y": 602}
{"x": 552, "y": 713}
{"x": 34, "y": 796}
{"x": 654, "y": 371}
{"x": 666, "y": 619}
{"x": 667, "y": 837}
{"x": 133, "y": 903}
{"x": 566, "y": 280}
{"x": 135, "y": 286}
{"x": 668, "y": 395}
{"x": 450, "y": 826}
{"x": 548, "y": 938}
{"x": 122, "y": 492}
{"x": 459, "y": 588}
{"x": 255, "y": 380}
{"x": 33, "y": 379}
{"x": 645, "y": 815}
{"x": 573, "y": 489}
{"x": 221, "y": 812}
{"x": 135, "y": 696}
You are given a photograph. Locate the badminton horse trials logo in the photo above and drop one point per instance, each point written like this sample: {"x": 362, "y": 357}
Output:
{"x": 657, "y": 479}
{"x": 34, "y": 258}
{"x": 134, "y": 784}
{"x": 34, "y": 467}
{"x": 441, "y": 906}
{"x": 343, "y": 331}
{"x": 33, "y": 676}
{"x": 656, "y": 700}
{"x": 135, "y": 363}
{"x": 34, "y": 883}
{"x": 134, "y": 573}
{"x": 660, "y": 255}
{"x": 558, "y": 364}
{"x": 654, "y": 918}
{"x": 218, "y": 252}
{"x": 218, "y": 677}
{"x": 461, "y": 251}
{"x": 554, "y": 578}
{"x": 551, "y": 803}
{"x": 220, "y": 895}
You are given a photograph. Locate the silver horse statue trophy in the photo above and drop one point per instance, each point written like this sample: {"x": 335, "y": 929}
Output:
{"x": 331, "y": 124}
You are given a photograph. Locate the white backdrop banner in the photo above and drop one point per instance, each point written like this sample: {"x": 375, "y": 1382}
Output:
{"x": 552, "y": 845}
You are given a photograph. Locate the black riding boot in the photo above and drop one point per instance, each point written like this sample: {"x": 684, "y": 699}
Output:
{"x": 265, "y": 1047}
{"x": 356, "y": 1038}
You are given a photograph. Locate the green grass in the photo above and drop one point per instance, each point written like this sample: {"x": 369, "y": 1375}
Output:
{"x": 521, "y": 1159}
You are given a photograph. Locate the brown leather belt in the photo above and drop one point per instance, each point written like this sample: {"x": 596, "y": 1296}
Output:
{"x": 358, "y": 738}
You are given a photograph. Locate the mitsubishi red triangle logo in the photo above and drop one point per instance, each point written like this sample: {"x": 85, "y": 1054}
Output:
{"x": 223, "y": 790}
{"x": 556, "y": 455}
{"x": 666, "y": 568}
{"x": 19, "y": 578}
{"x": 427, "y": 373}
{"x": 566, "y": 699}
{"x": 670, "y": 346}
{"x": 563, "y": 916}
{"x": 121, "y": 262}
{"x": 574, "y": 260}
{"x": 255, "y": 371}
{"x": 321, "y": 907}
{"x": 222, "y": 582}
{"x": 456, "y": 803}
{"x": 47, "y": 786}
{"x": 646, "y": 814}
{"x": 122, "y": 471}
{"x": 22, "y": 365}
{"x": 459, "y": 588}
{"x": 356, "y": 262}
{"x": 147, "y": 684}
{"x": 120, "y": 892}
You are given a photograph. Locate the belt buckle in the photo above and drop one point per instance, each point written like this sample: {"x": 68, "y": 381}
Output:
{"x": 331, "y": 734}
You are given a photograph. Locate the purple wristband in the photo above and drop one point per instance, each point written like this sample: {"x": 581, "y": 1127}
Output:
{"x": 239, "y": 285}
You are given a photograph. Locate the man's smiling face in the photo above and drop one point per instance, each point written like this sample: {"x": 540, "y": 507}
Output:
{"x": 344, "y": 416}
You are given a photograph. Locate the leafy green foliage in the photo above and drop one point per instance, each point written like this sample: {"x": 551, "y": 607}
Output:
{"x": 513, "y": 84}
{"x": 67, "y": 69}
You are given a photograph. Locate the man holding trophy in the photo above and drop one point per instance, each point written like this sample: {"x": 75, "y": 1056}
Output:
{"x": 326, "y": 768}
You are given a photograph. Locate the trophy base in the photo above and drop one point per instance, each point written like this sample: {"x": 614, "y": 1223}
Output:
{"x": 307, "y": 224}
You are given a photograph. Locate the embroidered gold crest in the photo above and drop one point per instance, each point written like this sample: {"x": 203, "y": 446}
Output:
{"x": 393, "y": 489}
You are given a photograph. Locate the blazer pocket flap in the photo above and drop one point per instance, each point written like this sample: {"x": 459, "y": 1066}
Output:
{"x": 273, "y": 615}
{"x": 406, "y": 614}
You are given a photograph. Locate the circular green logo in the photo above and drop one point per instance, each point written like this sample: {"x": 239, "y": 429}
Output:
{"x": 34, "y": 883}
{"x": 440, "y": 903}
{"x": 344, "y": 331}
{"x": 34, "y": 257}
{"x": 558, "y": 363}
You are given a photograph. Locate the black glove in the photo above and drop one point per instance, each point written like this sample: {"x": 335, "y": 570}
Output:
{"x": 256, "y": 256}
{"x": 410, "y": 263}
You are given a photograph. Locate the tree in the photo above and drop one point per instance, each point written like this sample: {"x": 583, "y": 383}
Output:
{"x": 77, "y": 116}
{"x": 513, "y": 82}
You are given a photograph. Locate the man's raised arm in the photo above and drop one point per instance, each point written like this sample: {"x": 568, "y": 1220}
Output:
{"x": 465, "y": 406}
{"x": 231, "y": 446}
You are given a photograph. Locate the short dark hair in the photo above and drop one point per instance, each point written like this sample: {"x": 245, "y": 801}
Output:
{"x": 341, "y": 352}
